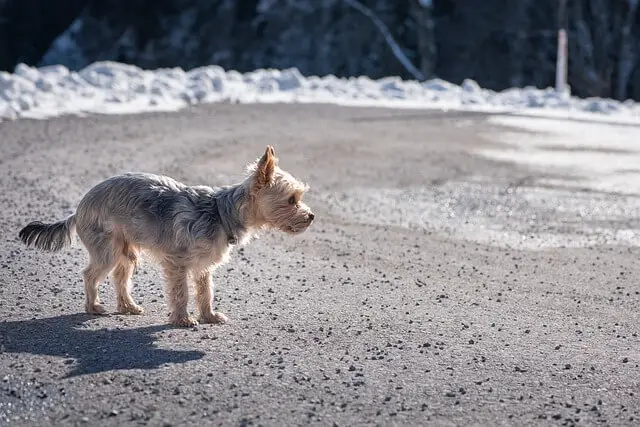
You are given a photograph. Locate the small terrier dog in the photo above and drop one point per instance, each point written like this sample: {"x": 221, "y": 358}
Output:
{"x": 189, "y": 230}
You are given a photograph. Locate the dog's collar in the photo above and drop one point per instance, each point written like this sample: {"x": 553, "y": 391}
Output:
{"x": 232, "y": 239}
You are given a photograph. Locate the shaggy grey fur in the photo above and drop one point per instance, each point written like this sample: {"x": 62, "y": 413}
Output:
{"x": 50, "y": 237}
{"x": 160, "y": 204}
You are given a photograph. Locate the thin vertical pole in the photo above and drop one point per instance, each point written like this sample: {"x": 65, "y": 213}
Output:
{"x": 562, "y": 59}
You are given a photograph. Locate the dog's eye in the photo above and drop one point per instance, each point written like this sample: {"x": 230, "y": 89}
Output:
{"x": 292, "y": 200}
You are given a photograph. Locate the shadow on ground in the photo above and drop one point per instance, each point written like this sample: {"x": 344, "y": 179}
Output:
{"x": 90, "y": 351}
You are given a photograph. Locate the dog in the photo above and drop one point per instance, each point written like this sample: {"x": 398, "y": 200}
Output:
{"x": 188, "y": 230}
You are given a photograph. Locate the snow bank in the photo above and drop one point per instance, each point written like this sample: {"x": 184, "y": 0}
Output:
{"x": 601, "y": 157}
{"x": 115, "y": 88}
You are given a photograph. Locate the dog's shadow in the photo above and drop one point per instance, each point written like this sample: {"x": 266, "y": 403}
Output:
{"x": 90, "y": 351}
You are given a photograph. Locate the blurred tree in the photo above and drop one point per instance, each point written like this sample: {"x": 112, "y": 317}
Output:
{"x": 427, "y": 50}
{"x": 498, "y": 43}
{"x": 27, "y": 28}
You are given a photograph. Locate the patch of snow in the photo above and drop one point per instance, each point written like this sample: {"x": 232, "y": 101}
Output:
{"x": 594, "y": 155}
{"x": 478, "y": 210}
{"x": 116, "y": 88}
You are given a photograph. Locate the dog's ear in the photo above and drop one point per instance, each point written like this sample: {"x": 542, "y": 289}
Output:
{"x": 266, "y": 167}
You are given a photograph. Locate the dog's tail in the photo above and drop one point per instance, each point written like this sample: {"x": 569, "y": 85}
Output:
{"x": 49, "y": 237}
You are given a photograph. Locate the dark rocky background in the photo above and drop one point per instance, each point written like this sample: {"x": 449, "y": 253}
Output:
{"x": 498, "y": 43}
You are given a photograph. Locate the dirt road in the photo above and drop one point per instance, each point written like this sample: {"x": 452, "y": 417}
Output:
{"x": 436, "y": 287}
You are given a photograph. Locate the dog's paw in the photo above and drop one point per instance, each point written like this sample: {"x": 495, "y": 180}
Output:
{"x": 130, "y": 309}
{"x": 184, "y": 321}
{"x": 214, "y": 317}
{"x": 95, "y": 309}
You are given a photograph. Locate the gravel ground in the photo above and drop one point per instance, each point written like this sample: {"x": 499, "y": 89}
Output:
{"x": 436, "y": 287}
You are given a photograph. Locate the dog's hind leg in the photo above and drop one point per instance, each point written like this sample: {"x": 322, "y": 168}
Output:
{"x": 126, "y": 260}
{"x": 93, "y": 274}
{"x": 204, "y": 299}
{"x": 178, "y": 294}
{"x": 122, "y": 278}
{"x": 101, "y": 262}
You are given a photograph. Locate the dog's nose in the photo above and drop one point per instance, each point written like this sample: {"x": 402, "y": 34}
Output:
{"x": 311, "y": 216}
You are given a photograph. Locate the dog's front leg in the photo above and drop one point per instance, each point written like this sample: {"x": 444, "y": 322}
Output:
{"x": 204, "y": 299}
{"x": 178, "y": 294}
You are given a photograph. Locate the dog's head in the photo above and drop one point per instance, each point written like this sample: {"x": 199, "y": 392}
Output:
{"x": 276, "y": 196}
